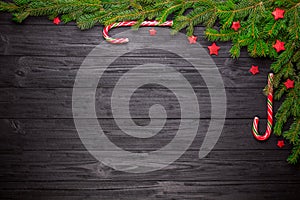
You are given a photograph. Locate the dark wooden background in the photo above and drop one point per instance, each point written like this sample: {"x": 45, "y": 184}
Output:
{"x": 42, "y": 157}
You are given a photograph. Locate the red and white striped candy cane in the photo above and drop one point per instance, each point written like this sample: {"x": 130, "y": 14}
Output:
{"x": 270, "y": 114}
{"x": 129, "y": 23}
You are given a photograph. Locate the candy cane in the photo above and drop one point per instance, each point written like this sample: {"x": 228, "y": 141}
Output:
{"x": 270, "y": 114}
{"x": 129, "y": 23}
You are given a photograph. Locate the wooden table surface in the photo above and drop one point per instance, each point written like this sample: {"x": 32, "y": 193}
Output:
{"x": 42, "y": 156}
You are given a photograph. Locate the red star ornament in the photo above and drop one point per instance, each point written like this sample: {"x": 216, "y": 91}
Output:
{"x": 278, "y": 13}
{"x": 213, "y": 49}
{"x": 254, "y": 70}
{"x": 152, "y": 32}
{"x": 279, "y": 46}
{"x": 192, "y": 39}
{"x": 56, "y": 20}
{"x": 236, "y": 25}
{"x": 289, "y": 84}
{"x": 280, "y": 143}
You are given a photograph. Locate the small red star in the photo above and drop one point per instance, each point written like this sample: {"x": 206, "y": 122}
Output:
{"x": 236, "y": 25}
{"x": 213, "y": 49}
{"x": 192, "y": 39}
{"x": 289, "y": 84}
{"x": 280, "y": 143}
{"x": 254, "y": 70}
{"x": 56, "y": 20}
{"x": 152, "y": 32}
{"x": 279, "y": 46}
{"x": 278, "y": 13}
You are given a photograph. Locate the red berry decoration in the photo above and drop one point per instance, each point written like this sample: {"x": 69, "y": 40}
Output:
{"x": 279, "y": 46}
{"x": 236, "y": 25}
{"x": 192, "y": 39}
{"x": 254, "y": 70}
{"x": 56, "y": 20}
{"x": 278, "y": 13}
{"x": 213, "y": 49}
{"x": 152, "y": 32}
{"x": 280, "y": 143}
{"x": 289, "y": 84}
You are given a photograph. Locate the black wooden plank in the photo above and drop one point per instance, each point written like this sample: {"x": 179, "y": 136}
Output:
{"x": 61, "y": 135}
{"x": 218, "y": 165}
{"x": 57, "y": 102}
{"x": 130, "y": 185}
{"x": 170, "y": 190}
{"x": 60, "y": 72}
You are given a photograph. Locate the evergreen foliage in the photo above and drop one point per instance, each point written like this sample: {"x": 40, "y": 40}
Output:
{"x": 258, "y": 33}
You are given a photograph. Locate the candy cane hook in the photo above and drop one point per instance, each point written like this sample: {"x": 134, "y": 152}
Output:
{"x": 129, "y": 23}
{"x": 270, "y": 114}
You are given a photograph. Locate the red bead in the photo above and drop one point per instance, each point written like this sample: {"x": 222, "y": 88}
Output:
{"x": 280, "y": 143}
{"x": 213, "y": 49}
{"x": 278, "y": 13}
{"x": 236, "y": 25}
{"x": 289, "y": 84}
{"x": 152, "y": 32}
{"x": 192, "y": 39}
{"x": 279, "y": 46}
{"x": 56, "y": 20}
{"x": 254, "y": 70}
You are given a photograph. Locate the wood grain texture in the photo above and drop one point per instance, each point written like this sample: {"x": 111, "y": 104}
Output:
{"x": 60, "y": 134}
{"x": 60, "y": 72}
{"x": 56, "y": 103}
{"x": 167, "y": 190}
{"x": 42, "y": 156}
